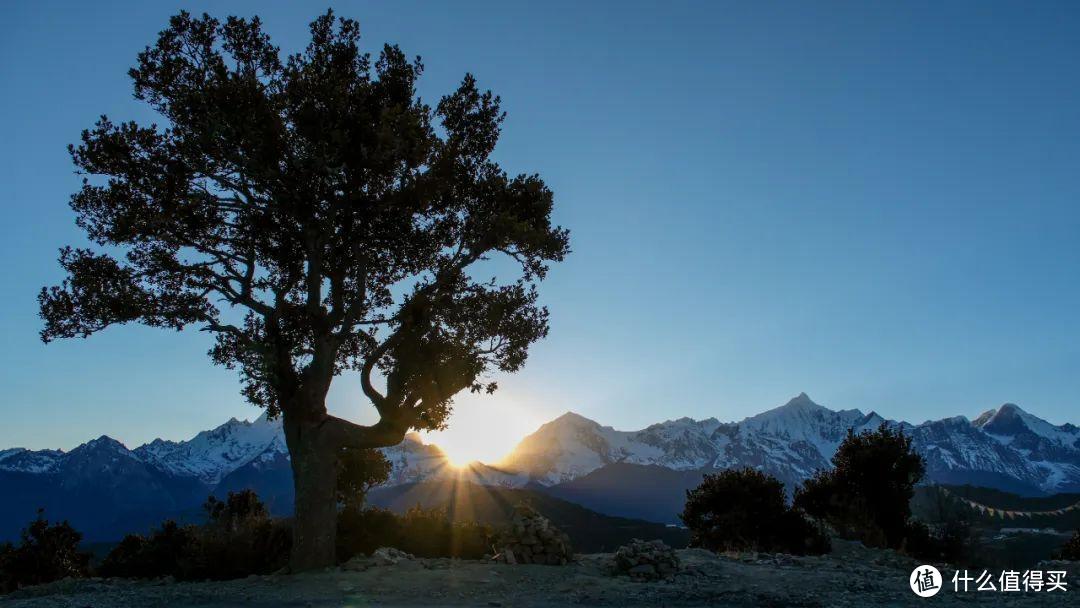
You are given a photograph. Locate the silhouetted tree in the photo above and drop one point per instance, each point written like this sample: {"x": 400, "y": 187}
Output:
{"x": 316, "y": 217}
{"x": 238, "y": 539}
{"x": 46, "y": 552}
{"x": 1071, "y": 549}
{"x": 745, "y": 509}
{"x": 238, "y": 509}
{"x": 359, "y": 471}
{"x": 162, "y": 553}
{"x": 867, "y": 494}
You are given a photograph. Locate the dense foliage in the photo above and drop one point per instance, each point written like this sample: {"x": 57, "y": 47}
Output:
{"x": 360, "y": 470}
{"x": 237, "y": 540}
{"x": 164, "y": 552}
{"x": 422, "y": 532}
{"x": 867, "y": 496}
{"x": 46, "y": 552}
{"x": 745, "y": 509}
{"x": 867, "y": 493}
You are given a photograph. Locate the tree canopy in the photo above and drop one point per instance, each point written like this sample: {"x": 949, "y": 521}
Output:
{"x": 316, "y": 216}
{"x": 867, "y": 494}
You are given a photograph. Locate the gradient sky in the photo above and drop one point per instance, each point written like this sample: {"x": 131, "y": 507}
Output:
{"x": 875, "y": 203}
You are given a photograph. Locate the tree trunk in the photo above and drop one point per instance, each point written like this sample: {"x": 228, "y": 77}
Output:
{"x": 314, "y": 467}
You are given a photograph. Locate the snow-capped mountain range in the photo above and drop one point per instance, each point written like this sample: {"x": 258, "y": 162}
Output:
{"x": 1005, "y": 448}
{"x": 213, "y": 455}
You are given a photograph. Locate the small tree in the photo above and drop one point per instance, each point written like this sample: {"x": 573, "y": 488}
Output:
{"x": 237, "y": 510}
{"x": 745, "y": 509}
{"x": 162, "y": 553}
{"x": 359, "y": 471}
{"x": 867, "y": 494}
{"x": 45, "y": 553}
{"x": 239, "y": 539}
{"x": 315, "y": 216}
{"x": 1071, "y": 549}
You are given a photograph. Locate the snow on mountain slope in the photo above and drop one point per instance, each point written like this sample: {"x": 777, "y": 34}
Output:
{"x": 803, "y": 421}
{"x": 210, "y": 455}
{"x": 1011, "y": 425}
{"x": 1054, "y": 451}
{"x": 792, "y": 441}
{"x": 572, "y": 445}
{"x": 414, "y": 460}
{"x": 1006, "y": 448}
{"x": 22, "y": 460}
{"x": 955, "y": 449}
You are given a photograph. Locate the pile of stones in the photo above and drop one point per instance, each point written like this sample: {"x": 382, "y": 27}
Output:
{"x": 532, "y": 539}
{"x": 388, "y": 556}
{"x": 647, "y": 560}
{"x": 383, "y": 556}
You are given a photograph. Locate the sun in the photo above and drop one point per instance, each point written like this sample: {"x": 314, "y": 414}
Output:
{"x": 457, "y": 462}
{"x": 484, "y": 430}
{"x": 460, "y": 452}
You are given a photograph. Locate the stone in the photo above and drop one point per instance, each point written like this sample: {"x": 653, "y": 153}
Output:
{"x": 532, "y": 539}
{"x": 642, "y": 571}
{"x": 641, "y": 560}
{"x": 388, "y": 556}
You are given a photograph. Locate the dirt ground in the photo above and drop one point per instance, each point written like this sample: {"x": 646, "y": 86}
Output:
{"x": 850, "y": 576}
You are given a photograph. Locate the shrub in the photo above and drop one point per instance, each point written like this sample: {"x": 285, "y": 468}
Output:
{"x": 237, "y": 510}
{"x": 163, "y": 553}
{"x": 361, "y": 531}
{"x": 421, "y": 532}
{"x": 45, "y": 553}
{"x": 1071, "y": 549}
{"x": 949, "y": 542}
{"x": 745, "y": 509}
{"x": 867, "y": 493}
{"x": 238, "y": 539}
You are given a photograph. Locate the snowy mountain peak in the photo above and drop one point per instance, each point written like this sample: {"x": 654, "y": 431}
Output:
{"x": 802, "y": 401}
{"x": 212, "y": 454}
{"x": 571, "y": 419}
{"x": 1011, "y": 425}
{"x": 103, "y": 443}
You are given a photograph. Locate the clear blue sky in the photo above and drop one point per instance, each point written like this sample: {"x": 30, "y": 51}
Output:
{"x": 875, "y": 203}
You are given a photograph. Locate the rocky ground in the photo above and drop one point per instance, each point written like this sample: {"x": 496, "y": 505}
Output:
{"x": 850, "y": 576}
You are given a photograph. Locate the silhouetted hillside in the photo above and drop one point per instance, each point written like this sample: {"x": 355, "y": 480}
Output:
{"x": 648, "y": 492}
{"x": 101, "y": 488}
{"x": 1038, "y": 511}
{"x": 590, "y": 531}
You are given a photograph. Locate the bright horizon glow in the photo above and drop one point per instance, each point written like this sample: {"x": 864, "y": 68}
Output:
{"x": 485, "y": 429}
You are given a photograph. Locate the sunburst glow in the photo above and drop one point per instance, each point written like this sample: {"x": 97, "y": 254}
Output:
{"x": 484, "y": 429}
